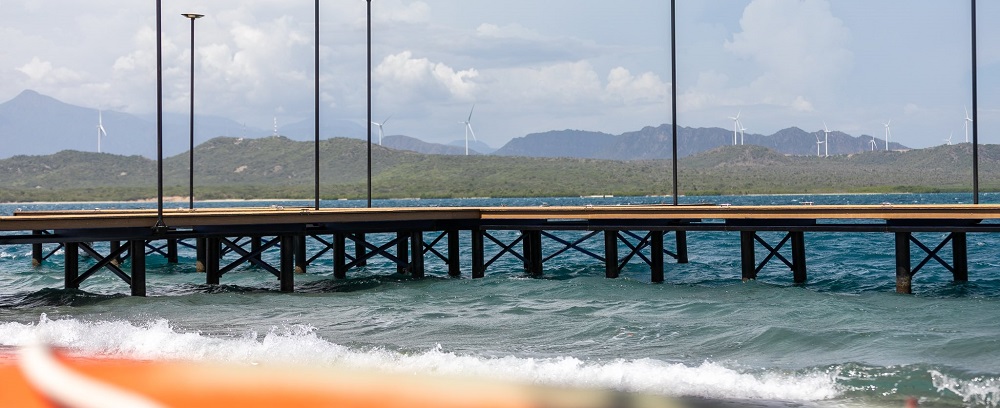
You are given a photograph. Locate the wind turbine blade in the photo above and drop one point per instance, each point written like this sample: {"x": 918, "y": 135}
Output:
{"x": 470, "y": 112}
{"x": 386, "y": 119}
{"x": 472, "y": 131}
{"x": 825, "y": 129}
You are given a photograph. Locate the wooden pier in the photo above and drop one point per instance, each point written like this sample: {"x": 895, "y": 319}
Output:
{"x": 628, "y": 232}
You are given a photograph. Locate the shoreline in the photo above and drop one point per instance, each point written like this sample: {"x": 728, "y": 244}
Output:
{"x": 182, "y": 199}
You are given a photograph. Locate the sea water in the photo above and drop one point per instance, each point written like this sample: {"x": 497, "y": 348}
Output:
{"x": 842, "y": 339}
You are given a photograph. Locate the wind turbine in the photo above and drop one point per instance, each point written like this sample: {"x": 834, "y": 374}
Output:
{"x": 818, "y": 143}
{"x": 736, "y": 124}
{"x": 949, "y": 138}
{"x": 967, "y": 121}
{"x": 826, "y": 139}
{"x": 888, "y": 134}
{"x": 742, "y": 129}
{"x": 468, "y": 129}
{"x": 873, "y": 143}
{"x": 380, "y": 128}
{"x": 101, "y": 133}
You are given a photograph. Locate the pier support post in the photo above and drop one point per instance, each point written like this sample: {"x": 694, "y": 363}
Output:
{"x": 171, "y": 250}
{"x": 402, "y": 253}
{"x": 255, "y": 244}
{"x": 798, "y": 256}
{"x": 301, "y": 261}
{"x": 454, "y": 254}
{"x": 526, "y": 251}
{"x": 904, "y": 276}
{"x": 286, "y": 273}
{"x": 212, "y": 248}
{"x": 748, "y": 257}
{"x": 359, "y": 251}
{"x": 611, "y": 254}
{"x": 36, "y": 251}
{"x": 114, "y": 246}
{"x": 682, "y": 247}
{"x": 417, "y": 254}
{"x": 960, "y": 256}
{"x": 478, "y": 254}
{"x": 137, "y": 257}
{"x": 532, "y": 242}
{"x": 339, "y": 256}
{"x": 71, "y": 256}
{"x": 200, "y": 244}
{"x": 656, "y": 255}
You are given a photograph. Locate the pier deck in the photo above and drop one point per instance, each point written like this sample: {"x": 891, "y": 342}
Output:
{"x": 219, "y": 230}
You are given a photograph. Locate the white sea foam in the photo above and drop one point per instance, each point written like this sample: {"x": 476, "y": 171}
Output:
{"x": 980, "y": 391}
{"x": 300, "y": 345}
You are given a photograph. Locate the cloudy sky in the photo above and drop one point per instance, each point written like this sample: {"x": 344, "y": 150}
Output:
{"x": 527, "y": 65}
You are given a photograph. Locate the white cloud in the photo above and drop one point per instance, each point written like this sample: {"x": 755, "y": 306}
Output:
{"x": 711, "y": 89}
{"x": 559, "y": 85}
{"x": 42, "y": 72}
{"x": 488, "y": 30}
{"x": 645, "y": 88}
{"x": 802, "y": 105}
{"x": 404, "y": 78}
{"x": 800, "y": 48}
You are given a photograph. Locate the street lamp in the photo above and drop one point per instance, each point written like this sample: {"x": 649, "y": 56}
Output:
{"x": 192, "y": 17}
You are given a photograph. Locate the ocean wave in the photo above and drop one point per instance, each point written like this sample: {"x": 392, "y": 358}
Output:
{"x": 978, "y": 391}
{"x": 300, "y": 345}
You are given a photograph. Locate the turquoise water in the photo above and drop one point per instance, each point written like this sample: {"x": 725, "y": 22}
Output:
{"x": 843, "y": 339}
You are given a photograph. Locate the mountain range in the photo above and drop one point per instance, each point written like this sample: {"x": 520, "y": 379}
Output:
{"x": 278, "y": 167}
{"x": 35, "y": 124}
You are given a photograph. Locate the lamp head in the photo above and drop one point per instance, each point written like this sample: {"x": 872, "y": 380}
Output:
{"x": 193, "y": 15}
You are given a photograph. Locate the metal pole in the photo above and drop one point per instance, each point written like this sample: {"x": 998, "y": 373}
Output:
{"x": 160, "y": 225}
{"x": 673, "y": 90}
{"x": 975, "y": 114}
{"x": 369, "y": 103}
{"x": 191, "y": 128}
{"x": 193, "y": 17}
{"x": 316, "y": 107}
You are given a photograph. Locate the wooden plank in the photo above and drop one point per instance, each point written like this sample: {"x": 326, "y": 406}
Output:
{"x": 108, "y": 219}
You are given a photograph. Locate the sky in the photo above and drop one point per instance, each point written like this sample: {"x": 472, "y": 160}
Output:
{"x": 526, "y": 65}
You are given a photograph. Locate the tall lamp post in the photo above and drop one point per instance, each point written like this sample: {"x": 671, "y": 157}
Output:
{"x": 192, "y": 17}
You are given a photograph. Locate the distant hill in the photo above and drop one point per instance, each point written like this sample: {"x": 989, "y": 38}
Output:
{"x": 656, "y": 143}
{"x": 279, "y": 167}
{"x": 329, "y": 127}
{"x": 400, "y": 142}
{"x": 559, "y": 143}
{"x": 35, "y": 124}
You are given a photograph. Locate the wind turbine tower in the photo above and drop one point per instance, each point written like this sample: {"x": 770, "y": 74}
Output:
{"x": 968, "y": 120}
{"x": 826, "y": 139}
{"x": 736, "y": 125}
{"x": 380, "y": 128}
{"x": 888, "y": 134}
{"x": 742, "y": 129}
{"x": 468, "y": 129}
{"x": 101, "y": 133}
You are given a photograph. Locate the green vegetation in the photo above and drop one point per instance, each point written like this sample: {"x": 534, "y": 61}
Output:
{"x": 230, "y": 168}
